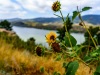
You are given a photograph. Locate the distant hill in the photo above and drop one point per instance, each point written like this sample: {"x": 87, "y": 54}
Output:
{"x": 46, "y": 20}
{"x": 19, "y": 23}
{"x": 13, "y": 19}
{"x": 93, "y": 19}
{"x": 52, "y": 23}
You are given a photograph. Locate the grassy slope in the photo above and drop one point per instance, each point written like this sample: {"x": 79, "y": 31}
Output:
{"x": 14, "y": 61}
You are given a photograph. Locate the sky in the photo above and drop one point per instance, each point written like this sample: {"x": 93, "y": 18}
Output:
{"x": 42, "y": 8}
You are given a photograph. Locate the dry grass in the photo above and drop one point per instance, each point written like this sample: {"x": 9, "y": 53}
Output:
{"x": 84, "y": 70}
{"x": 20, "y": 62}
{"x": 24, "y": 63}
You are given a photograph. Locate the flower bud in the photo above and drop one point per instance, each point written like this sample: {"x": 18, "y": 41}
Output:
{"x": 81, "y": 24}
{"x": 56, "y": 6}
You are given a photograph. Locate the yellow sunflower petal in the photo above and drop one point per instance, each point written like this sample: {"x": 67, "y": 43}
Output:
{"x": 51, "y": 37}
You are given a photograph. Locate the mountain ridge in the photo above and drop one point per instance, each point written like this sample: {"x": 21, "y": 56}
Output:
{"x": 92, "y": 18}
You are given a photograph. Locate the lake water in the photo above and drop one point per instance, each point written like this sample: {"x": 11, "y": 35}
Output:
{"x": 39, "y": 34}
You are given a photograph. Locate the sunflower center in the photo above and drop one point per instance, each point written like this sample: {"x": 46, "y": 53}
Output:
{"x": 52, "y": 37}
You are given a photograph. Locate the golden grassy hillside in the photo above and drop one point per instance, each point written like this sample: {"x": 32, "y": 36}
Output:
{"x": 21, "y": 62}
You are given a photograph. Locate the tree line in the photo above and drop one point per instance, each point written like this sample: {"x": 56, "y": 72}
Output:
{"x": 6, "y": 25}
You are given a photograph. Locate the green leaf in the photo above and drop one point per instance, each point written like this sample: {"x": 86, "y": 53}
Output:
{"x": 94, "y": 54}
{"x": 65, "y": 64}
{"x": 72, "y": 54}
{"x": 58, "y": 58}
{"x": 42, "y": 69}
{"x": 75, "y": 14}
{"x": 98, "y": 51}
{"x": 86, "y": 8}
{"x": 72, "y": 68}
{"x": 97, "y": 72}
{"x": 56, "y": 73}
{"x": 72, "y": 40}
{"x": 87, "y": 59}
{"x": 98, "y": 69}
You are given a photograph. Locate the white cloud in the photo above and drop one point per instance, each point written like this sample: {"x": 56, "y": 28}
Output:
{"x": 21, "y": 8}
{"x": 12, "y": 14}
{"x": 40, "y": 6}
{"x": 43, "y": 6}
{"x": 8, "y": 5}
{"x": 70, "y": 5}
{"x": 9, "y": 9}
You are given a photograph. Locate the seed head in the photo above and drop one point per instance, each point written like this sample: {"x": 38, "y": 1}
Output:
{"x": 56, "y": 47}
{"x": 39, "y": 51}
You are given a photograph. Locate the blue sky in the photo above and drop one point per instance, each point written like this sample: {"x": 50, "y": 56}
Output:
{"x": 42, "y": 8}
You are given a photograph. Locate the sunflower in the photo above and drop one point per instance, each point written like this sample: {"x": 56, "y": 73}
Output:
{"x": 51, "y": 37}
{"x": 56, "y": 6}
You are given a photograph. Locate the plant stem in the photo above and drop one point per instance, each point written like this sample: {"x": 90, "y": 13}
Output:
{"x": 87, "y": 29}
{"x": 83, "y": 61}
{"x": 63, "y": 45}
{"x": 66, "y": 29}
{"x": 70, "y": 40}
{"x": 62, "y": 16}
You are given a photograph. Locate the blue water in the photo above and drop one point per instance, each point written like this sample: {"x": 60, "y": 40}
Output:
{"x": 39, "y": 34}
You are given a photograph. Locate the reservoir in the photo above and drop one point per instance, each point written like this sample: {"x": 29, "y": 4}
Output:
{"x": 39, "y": 34}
